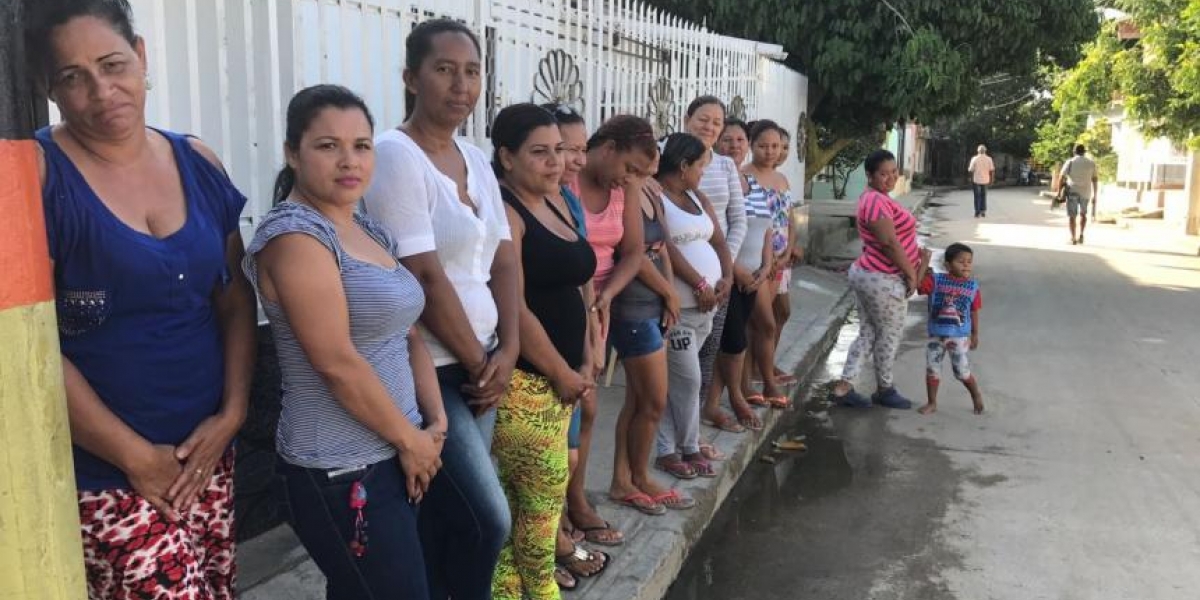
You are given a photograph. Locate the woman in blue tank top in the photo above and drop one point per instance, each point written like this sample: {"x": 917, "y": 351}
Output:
{"x": 156, "y": 323}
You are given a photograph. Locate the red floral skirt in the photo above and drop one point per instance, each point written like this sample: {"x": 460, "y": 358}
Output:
{"x": 130, "y": 551}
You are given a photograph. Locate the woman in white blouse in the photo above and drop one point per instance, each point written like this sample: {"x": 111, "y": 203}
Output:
{"x": 439, "y": 198}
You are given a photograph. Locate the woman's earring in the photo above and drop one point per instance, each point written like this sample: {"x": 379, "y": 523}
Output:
{"x": 149, "y": 84}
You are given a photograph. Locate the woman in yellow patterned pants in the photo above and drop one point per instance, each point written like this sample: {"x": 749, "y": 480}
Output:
{"x": 531, "y": 449}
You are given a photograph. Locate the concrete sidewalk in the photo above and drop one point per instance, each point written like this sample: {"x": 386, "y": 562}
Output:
{"x": 274, "y": 566}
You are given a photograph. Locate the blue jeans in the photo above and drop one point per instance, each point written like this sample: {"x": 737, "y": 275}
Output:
{"x": 392, "y": 566}
{"x": 980, "y": 198}
{"x": 465, "y": 518}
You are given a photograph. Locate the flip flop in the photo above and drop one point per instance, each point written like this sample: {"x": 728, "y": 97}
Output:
{"x": 643, "y": 503}
{"x": 756, "y": 400}
{"x": 710, "y": 452}
{"x": 596, "y": 539}
{"x": 676, "y": 466}
{"x": 727, "y": 422}
{"x": 780, "y": 402}
{"x": 700, "y": 465}
{"x": 581, "y": 555}
{"x": 749, "y": 419}
{"x": 675, "y": 501}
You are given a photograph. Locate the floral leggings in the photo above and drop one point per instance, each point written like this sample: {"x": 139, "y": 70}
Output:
{"x": 936, "y": 351}
{"x": 882, "y": 306}
{"x": 131, "y": 552}
{"x": 530, "y": 447}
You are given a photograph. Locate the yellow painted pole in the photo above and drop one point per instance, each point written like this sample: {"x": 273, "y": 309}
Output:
{"x": 41, "y": 553}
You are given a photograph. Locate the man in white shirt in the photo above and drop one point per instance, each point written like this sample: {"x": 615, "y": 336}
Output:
{"x": 982, "y": 171}
{"x": 1082, "y": 178}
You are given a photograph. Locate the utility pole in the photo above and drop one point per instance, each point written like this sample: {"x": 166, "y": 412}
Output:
{"x": 41, "y": 553}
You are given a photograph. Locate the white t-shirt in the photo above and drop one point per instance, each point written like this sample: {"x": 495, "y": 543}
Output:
{"x": 420, "y": 207}
{"x": 981, "y": 169}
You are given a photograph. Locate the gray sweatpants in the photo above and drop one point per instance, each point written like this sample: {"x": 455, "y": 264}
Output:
{"x": 679, "y": 429}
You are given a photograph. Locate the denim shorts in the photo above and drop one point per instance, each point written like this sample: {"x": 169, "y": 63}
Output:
{"x": 635, "y": 338}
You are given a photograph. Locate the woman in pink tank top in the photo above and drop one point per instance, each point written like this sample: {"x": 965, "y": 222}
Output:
{"x": 620, "y": 154}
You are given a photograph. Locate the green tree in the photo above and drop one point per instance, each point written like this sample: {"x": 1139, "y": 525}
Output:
{"x": 1005, "y": 117}
{"x": 871, "y": 63}
{"x": 849, "y": 160}
{"x": 1086, "y": 88}
{"x": 1158, "y": 78}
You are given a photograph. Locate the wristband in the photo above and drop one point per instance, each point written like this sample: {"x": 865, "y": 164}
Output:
{"x": 700, "y": 287}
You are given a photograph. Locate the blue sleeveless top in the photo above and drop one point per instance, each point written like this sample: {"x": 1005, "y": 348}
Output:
{"x": 315, "y": 429}
{"x": 135, "y": 312}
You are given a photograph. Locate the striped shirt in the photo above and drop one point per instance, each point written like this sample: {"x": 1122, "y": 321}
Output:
{"x": 315, "y": 430}
{"x": 722, "y": 184}
{"x": 766, "y": 209}
{"x": 873, "y": 206}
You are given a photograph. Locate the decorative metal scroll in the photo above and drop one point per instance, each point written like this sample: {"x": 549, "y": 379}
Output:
{"x": 558, "y": 81}
{"x": 660, "y": 108}
{"x": 737, "y": 108}
{"x": 801, "y": 137}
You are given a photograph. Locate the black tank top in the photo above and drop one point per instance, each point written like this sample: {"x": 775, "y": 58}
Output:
{"x": 554, "y": 270}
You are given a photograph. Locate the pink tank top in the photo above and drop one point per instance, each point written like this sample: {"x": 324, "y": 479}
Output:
{"x": 604, "y": 233}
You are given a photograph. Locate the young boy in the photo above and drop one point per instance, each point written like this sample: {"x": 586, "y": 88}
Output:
{"x": 954, "y": 304}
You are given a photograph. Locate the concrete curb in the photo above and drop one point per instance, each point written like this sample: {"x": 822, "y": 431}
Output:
{"x": 663, "y": 544}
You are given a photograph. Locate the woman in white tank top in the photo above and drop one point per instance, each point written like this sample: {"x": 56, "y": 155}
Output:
{"x": 702, "y": 265}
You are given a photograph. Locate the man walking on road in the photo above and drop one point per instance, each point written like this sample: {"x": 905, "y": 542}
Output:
{"x": 1082, "y": 180}
{"x": 982, "y": 171}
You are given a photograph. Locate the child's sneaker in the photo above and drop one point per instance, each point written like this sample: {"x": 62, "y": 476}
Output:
{"x": 892, "y": 399}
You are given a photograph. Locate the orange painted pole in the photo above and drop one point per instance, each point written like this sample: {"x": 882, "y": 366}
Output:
{"x": 41, "y": 554}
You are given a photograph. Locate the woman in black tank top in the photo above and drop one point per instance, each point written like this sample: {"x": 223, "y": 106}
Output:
{"x": 555, "y": 366}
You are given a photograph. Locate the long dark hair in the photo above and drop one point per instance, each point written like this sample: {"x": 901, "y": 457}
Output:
{"x": 301, "y": 111}
{"x": 47, "y": 15}
{"x": 513, "y": 126}
{"x": 419, "y": 44}
{"x": 679, "y": 149}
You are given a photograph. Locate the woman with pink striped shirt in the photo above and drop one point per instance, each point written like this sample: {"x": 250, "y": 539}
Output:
{"x": 882, "y": 278}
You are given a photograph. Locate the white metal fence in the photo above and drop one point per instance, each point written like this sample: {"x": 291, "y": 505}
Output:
{"x": 225, "y": 69}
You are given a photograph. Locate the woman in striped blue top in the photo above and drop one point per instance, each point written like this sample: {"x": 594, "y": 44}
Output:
{"x": 362, "y": 424}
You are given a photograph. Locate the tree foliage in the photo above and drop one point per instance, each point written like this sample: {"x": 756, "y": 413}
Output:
{"x": 1005, "y": 117}
{"x": 1154, "y": 79}
{"x": 871, "y": 63}
{"x": 849, "y": 160}
{"x": 1158, "y": 78}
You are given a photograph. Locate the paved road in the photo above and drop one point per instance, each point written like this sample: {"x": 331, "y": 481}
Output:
{"x": 1081, "y": 481}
